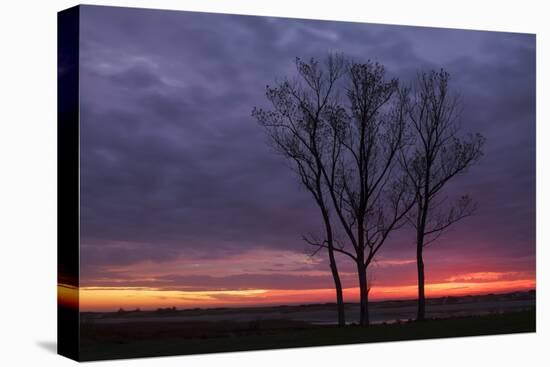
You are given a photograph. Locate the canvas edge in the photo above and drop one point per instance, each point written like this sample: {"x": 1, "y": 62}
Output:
{"x": 68, "y": 206}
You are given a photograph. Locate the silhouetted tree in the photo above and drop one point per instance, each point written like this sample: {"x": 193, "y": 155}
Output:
{"x": 437, "y": 155}
{"x": 296, "y": 128}
{"x": 345, "y": 156}
{"x": 369, "y": 195}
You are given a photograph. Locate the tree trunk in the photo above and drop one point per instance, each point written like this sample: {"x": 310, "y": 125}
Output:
{"x": 338, "y": 287}
{"x": 420, "y": 230}
{"x": 363, "y": 295}
{"x": 420, "y": 267}
{"x": 333, "y": 266}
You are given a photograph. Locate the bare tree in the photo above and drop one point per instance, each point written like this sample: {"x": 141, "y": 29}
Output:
{"x": 346, "y": 156}
{"x": 438, "y": 155}
{"x": 369, "y": 195}
{"x": 296, "y": 128}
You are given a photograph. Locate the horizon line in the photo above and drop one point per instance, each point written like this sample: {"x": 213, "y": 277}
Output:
{"x": 138, "y": 309}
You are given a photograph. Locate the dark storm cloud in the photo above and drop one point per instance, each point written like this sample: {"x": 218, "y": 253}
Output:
{"x": 173, "y": 165}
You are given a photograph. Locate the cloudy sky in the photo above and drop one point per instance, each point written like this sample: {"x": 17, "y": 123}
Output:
{"x": 183, "y": 202}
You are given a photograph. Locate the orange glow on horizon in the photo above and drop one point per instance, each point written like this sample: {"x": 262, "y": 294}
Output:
{"x": 67, "y": 295}
{"x": 113, "y": 298}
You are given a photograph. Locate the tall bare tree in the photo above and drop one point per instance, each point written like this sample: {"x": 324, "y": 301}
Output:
{"x": 296, "y": 128}
{"x": 438, "y": 154}
{"x": 346, "y": 155}
{"x": 369, "y": 195}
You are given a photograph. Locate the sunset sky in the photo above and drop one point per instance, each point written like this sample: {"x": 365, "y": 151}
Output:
{"x": 184, "y": 204}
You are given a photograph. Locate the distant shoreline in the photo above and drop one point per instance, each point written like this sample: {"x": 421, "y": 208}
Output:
{"x": 321, "y": 314}
{"x": 531, "y": 292}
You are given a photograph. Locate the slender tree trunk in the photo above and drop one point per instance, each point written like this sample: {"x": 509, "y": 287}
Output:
{"x": 367, "y": 317}
{"x": 333, "y": 266}
{"x": 420, "y": 230}
{"x": 363, "y": 295}
{"x": 338, "y": 287}
{"x": 420, "y": 267}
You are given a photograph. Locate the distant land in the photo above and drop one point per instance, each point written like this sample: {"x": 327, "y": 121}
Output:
{"x": 323, "y": 313}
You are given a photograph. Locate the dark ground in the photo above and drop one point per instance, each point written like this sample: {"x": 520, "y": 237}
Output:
{"x": 150, "y": 339}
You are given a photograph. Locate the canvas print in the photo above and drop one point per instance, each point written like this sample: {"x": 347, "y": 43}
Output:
{"x": 234, "y": 183}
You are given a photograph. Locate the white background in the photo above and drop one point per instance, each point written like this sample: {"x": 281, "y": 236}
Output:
{"x": 28, "y": 183}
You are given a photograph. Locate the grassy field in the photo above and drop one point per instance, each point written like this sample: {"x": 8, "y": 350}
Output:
{"x": 130, "y": 340}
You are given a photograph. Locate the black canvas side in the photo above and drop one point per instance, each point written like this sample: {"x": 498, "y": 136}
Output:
{"x": 68, "y": 182}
